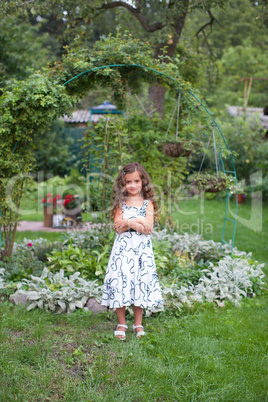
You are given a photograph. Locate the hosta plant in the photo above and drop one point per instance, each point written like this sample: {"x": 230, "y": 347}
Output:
{"x": 90, "y": 263}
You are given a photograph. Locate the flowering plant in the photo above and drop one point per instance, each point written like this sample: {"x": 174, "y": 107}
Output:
{"x": 50, "y": 201}
{"x": 211, "y": 182}
{"x": 71, "y": 201}
{"x": 238, "y": 189}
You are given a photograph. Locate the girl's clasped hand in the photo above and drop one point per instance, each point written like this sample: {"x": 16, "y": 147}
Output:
{"x": 119, "y": 226}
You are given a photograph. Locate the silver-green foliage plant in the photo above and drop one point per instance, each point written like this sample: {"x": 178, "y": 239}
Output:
{"x": 82, "y": 239}
{"x": 27, "y": 244}
{"x": 57, "y": 292}
{"x": 96, "y": 237}
{"x": 228, "y": 279}
{"x": 196, "y": 246}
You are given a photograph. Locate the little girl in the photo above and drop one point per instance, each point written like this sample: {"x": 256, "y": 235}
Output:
{"x": 131, "y": 276}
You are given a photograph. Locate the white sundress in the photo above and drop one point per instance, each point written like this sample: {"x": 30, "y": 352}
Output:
{"x": 131, "y": 276}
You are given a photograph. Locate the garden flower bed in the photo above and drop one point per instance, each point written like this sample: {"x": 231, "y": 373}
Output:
{"x": 63, "y": 276}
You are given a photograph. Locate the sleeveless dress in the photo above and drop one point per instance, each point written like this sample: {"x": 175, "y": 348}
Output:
{"x": 131, "y": 276}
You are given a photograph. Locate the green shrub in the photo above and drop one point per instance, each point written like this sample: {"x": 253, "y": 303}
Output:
{"x": 90, "y": 263}
{"x": 41, "y": 252}
{"x": 245, "y": 137}
{"x": 36, "y": 248}
{"x": 189, "y": 273}
{"x": 21, "y": 266}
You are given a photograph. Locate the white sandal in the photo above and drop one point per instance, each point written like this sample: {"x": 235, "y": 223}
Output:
{"x": 139, "y": 334}
{"x": 120, "y": 333}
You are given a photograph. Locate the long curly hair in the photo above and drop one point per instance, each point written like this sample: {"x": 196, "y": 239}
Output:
{"x": 119, "y": 188}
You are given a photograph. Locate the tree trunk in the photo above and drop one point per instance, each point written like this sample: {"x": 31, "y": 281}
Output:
{"x": 9, "y": 236}
{"x": 157, "y": 93}
{"x": 177, "y": 11}
{"x": 156, "y": 99}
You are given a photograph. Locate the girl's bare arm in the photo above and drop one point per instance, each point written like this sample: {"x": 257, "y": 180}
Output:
{"x": 141, "y": 225}
{"x": 148, "y": 221}
{"x": 120, "y": 224}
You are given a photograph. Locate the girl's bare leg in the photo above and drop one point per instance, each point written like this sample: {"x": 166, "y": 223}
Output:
{"x": 121, "y": 315}
{"x": 138, "y": 312}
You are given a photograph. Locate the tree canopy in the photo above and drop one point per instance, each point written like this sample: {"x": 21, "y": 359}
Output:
{"x": 154, "y": 16}
{"x": 197, "y": 34}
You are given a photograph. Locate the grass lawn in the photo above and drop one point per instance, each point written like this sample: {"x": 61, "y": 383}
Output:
{"x": 207, "y": 217}
{"x": 31, "y": 208}
{"x": 51, "y": 236}
{"x": 203, "y": 354}
{"x": 207, "y": 355}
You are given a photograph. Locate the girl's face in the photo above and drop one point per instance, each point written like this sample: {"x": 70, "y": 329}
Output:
{"x": 133, "y": 184}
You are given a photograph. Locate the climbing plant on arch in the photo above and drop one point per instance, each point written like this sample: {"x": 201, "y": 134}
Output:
{"x": 29, "y": 106}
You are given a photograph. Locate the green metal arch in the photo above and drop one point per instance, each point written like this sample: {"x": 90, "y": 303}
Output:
{"x": 214, "y": 123}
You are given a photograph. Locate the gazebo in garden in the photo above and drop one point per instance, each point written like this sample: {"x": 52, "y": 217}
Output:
{"x": 106, "y": 108}
{"x": 80, "y": 117}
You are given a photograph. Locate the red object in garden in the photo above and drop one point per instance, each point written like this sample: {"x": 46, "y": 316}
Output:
{"x": 240, "y": 198}
{"x": 48, "y": 217}
{"x": 68, "y": 199}
{"x": 49, "y": 203}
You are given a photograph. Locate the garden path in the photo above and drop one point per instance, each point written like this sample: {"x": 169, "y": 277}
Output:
{"x": 39, "y": 226}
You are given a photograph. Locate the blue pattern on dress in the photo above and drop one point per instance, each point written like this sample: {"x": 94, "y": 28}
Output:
{"x": 131, "y": 276}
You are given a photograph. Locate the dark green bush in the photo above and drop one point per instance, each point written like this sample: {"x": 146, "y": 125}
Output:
{"x": 20, "y": 266}
{"x": 41, "y": 252}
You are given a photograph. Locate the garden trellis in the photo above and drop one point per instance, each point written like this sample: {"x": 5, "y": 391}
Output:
{"x": 214, "y": 126}
{"x": 121, "y": 63}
